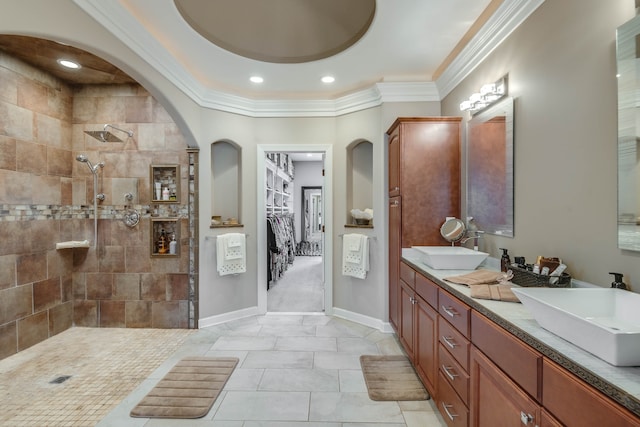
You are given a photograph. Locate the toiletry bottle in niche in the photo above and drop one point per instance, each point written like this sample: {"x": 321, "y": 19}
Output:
{"x": 162, "y": 243}
{"x": 505, "y": 260}
{"x": 165, "y": 193}
{"x": 173, "y": 245}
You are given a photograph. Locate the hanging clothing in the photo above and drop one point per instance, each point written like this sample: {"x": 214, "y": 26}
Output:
{"x": 281, "y": 246}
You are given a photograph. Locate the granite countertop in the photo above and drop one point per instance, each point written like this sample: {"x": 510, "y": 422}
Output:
{"x": 622, "y": 384}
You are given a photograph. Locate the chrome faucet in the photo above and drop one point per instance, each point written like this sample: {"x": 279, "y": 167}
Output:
{"x": 476, "y": 236}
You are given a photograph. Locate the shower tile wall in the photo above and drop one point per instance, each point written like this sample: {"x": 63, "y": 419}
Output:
{"x": 47, "y": 197}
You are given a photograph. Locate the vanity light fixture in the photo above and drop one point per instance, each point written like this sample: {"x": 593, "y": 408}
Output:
{"x": 489, "y": 94}
{"x": 67, "y": 63}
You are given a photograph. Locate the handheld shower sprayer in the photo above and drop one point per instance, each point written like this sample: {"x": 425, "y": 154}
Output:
{"x": 97, "y": 196}
{"x": 93, "y": 168}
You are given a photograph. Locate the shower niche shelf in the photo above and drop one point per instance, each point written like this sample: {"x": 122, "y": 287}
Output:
{"x": 165, "y": 183}
{"x": 164, "y": 231}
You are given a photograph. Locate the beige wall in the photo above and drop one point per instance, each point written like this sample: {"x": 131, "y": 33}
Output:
{"x": 561, "y": 66}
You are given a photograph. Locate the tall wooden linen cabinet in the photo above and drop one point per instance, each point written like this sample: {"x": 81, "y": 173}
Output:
{"x": 424, "y": 189}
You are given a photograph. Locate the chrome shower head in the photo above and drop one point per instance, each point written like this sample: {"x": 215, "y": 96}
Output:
{"x": 105, "y": 136}
{"x": 82, "y": 158}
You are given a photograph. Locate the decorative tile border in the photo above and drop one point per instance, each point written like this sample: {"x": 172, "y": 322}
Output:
{"x": 9, "y": 213}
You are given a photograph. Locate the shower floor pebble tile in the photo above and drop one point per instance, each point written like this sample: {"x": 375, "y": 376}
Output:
{"x": 104, "y": 366}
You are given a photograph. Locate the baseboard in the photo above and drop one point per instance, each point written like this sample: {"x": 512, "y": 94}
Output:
{"x": 226, "y": 317}
{"x": 338, "y": 312}
{"x": 364, "y": 320}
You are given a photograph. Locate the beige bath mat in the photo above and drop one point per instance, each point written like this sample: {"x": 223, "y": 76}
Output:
{"x": 391, "y": 378}
{"x": 188, "y": 390}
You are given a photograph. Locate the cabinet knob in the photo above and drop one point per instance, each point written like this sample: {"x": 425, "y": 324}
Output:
{"x": 525, "y": 418}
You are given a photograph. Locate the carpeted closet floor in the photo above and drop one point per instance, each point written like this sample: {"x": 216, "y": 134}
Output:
{"x": 300, "y": 289}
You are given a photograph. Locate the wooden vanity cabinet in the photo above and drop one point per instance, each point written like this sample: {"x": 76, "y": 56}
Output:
{"x": 424, "y": 188}
{"x": 395, "y": 253}
{"x": 394, "y": 163}
{"x": 426, "y": 332}
{"x": 407, "y": 301}
{"x": 481, "y": 375}
{"x": 453, "y": 359}
{"x": 418, "y": 324}
{"x": 512, "y": 356}
{"x": 574, "y": 403}
{"x": 424, "y": 170}
{"x": 496, "y": 400}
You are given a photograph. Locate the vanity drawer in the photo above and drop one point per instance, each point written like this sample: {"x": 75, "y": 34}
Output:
{"x": 453, "y": 342}
{"x": 454, "y": 374}
{"x": 455, "y": 311}
{"x": 427, "y": 290}
{"x": 512, "y": 356}
{"x": 408, "y": 275}
{"x": 453, "y": 410}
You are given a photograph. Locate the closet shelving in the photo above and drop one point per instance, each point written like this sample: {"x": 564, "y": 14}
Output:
{"x": 279, "y": 189}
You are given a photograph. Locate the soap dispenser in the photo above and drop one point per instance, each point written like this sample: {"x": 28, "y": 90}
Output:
{"x": 505, "y": 261}
{"x": 617, "y": 281}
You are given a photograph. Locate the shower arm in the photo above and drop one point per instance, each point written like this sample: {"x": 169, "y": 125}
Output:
{"x": 128, "y": 132}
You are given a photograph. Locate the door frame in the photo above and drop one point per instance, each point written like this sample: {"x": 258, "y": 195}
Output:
{"x": 261, "y": 223}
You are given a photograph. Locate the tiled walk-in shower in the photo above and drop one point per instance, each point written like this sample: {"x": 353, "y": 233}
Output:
{"x": 294, "y": 371}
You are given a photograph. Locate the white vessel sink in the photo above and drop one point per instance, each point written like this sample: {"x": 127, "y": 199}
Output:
{"x": 603, "y": 321}
{"x": 450, "y": 257}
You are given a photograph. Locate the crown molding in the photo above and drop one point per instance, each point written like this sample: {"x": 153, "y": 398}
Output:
{"x": 509, "y": 15}
{"x": 116, "y": 19}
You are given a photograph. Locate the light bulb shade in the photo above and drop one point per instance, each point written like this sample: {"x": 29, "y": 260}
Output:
{"x": 465, "y": 105}
{"x": 488, "y": 89}
{"x": 475, "y": 97}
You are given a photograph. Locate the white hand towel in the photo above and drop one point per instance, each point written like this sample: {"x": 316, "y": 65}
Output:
{"x": 355, "y": 263}
{"x": 231, "y": 260}
{"x": 234, "y": 245}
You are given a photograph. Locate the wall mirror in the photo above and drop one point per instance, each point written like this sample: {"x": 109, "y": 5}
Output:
{"x": 311, "y": 213}
{"x": 628, "y": 52}
{"x": 490, "y": 168}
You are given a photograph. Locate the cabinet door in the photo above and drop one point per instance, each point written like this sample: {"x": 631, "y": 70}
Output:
{"x": 495, "y": 399}
{"x": 407, "y": 301}
{"x": 426, "y": 344}
{"x": 395, "y": 212}
{"x": 574, "y": 403}
{"x": 394, "y": 163}
{"x": 429, "y": 178}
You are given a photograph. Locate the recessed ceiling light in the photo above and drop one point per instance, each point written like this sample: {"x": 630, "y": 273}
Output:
{"x": 256, "y": 79}
{"x": 67, "y": 63}
{"x": 328, "y": 79}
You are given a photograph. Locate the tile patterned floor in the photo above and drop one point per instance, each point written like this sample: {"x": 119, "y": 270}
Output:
{"x": 294, "y": 371}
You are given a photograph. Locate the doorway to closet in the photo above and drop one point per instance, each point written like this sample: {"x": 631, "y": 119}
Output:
{"x": 294, "y": 201}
